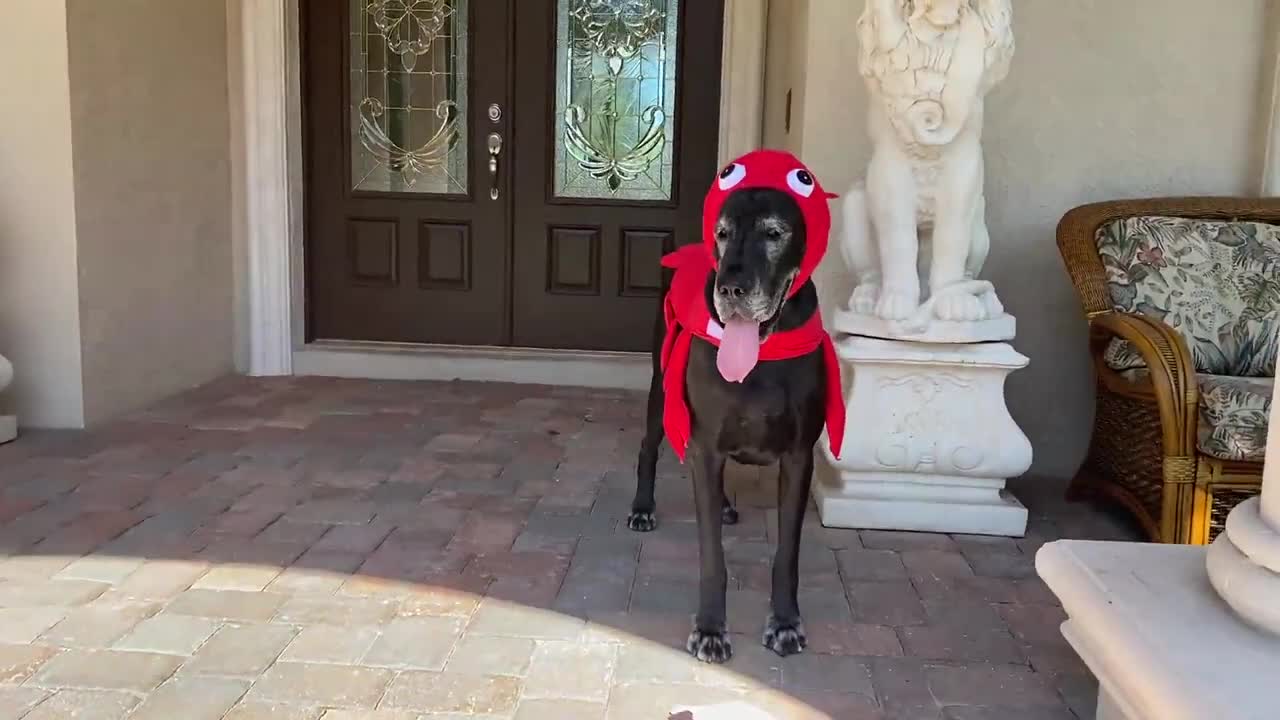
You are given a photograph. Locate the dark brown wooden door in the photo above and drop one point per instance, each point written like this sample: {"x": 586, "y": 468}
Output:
{"x": 616, "y": 138}
{"x": 503, "y": 172}
{"x": 404, "y": 241}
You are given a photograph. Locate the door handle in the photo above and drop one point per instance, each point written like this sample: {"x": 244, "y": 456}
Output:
{"x": 495, "y": 151}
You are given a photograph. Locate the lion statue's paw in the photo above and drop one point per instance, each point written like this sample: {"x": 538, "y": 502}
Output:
{"x": 960, "y": 307}
{"x": 864, "y": 298}
{"x": 993, "y": 306}
{"x": 896, "y": 303}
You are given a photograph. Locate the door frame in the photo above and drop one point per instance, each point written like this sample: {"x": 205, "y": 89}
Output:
{"x": 269, "y": 176}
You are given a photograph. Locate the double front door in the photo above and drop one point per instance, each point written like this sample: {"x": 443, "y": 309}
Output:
{"x": 503, "y": 172}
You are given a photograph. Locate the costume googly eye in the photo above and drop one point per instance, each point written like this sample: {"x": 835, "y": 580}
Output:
{"x": 801, "y": 182}
{"x": 731, "y": 175}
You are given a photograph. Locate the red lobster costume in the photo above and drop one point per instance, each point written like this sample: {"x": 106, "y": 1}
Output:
{"x": 687, "y": 315}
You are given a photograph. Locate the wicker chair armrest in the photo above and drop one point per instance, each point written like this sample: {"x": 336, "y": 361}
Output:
{"x": 1173, "y": 373}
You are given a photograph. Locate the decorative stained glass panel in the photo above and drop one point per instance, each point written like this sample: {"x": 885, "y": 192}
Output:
{"x": 409, "y": 96}
{"x": 615, "y": 98}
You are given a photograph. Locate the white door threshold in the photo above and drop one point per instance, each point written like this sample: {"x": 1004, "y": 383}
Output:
{"x": 402, "y": 361}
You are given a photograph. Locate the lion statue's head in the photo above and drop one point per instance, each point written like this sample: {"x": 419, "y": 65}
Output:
{"x": 908, "y": 54}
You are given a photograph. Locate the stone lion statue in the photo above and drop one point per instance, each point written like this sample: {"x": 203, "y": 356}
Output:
{"x": 928, "y": 65}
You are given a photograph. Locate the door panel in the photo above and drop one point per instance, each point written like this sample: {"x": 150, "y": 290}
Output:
{"x": 405, "y": 242}
{"x": 617, "y": 112}
{"x": 606, "y": 116}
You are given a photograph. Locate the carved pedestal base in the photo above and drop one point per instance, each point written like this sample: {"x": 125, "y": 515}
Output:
{"x": 929, "y": 441}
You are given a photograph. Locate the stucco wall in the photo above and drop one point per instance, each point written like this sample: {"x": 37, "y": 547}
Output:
{"x": 39, "y": 310}
{"x": 151, "y": 131}
{"x": 239, "y": 226}
{"x": 1105, "y": 99}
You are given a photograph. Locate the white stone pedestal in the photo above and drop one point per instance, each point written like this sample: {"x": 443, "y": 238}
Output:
{"x": 1162, "y": 643}
{"x": 928, "y": 442}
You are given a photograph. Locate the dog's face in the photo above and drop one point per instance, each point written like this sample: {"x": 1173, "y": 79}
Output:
{"x": 760, "y": 243}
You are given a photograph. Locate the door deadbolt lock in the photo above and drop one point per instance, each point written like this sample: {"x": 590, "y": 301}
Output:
{"x": 495, "y": 112}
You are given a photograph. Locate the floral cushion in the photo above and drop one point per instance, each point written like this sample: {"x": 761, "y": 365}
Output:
{"x": 1216, "y": 282}
{"x": 1233, "y": 416}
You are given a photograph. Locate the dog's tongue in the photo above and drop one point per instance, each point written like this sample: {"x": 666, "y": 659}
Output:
{"x": 739, "y": 349}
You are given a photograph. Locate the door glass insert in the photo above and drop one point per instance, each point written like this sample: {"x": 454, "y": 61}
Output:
{"x": 409, "y": 96}
{"x": 615, "y": 98}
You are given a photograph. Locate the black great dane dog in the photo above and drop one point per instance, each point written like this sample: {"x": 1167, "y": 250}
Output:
{"x": 774, "y": 415}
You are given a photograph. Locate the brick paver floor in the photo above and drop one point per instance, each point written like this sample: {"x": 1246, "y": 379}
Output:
{"x": 306, "y": 549}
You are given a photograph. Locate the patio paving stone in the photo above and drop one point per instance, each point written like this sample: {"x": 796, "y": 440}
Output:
{"x": 19, "y": 662}
{"x": 256, "y": 710}
{"x": 333, "y": 644}
{"x": 85, "y": 705}
{"x": 15, "y": 702}
{"x": 169, "y": 635}
{"x": 324, "y": 549}
{"x": 191, "y": 698}
{"x": 241, "y": 650}
{"x": 106, "y": 670}
{"x": 99, "y": 624}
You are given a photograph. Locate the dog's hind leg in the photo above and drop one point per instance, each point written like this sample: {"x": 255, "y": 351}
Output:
{"x": 642, "y": 518}
{"x": 728, "y": 514}
{"x": 784, "y": 631}
{"x": 709, "y": 640}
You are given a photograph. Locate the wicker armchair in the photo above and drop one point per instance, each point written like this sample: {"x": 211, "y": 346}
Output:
{"x": 1143, "y": 452}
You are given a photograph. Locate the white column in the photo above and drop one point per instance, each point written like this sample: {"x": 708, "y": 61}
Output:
{"x": 8, "y": 423}
{"x": 1270, "y": 471}
{"x": 270, "y": 205}
{"x": 1244, "y": 561}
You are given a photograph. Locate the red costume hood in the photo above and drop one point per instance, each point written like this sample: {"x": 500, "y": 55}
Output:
{"x": 685, "y": 306}
{"x": 780, "y": 171}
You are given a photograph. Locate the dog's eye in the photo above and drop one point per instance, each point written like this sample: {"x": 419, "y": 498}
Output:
{"x": 731, "y": 175}
{"x": 801, "y": 182}
{"x": 722, "y": 234}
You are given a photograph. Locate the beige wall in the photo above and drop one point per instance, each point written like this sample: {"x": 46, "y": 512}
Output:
{"x": 785, "y": 50}
{"x": 39, "y": 308}
{"x": 239, "y": 220}
{"x": 151, "y": 131}
{"x": 1106, "y": 99}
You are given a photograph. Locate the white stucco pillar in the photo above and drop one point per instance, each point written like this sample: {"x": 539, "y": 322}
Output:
{"x": 1270, "y": 482}
{"x": 8, "y": 423}
{"x": 1244, "y": 561}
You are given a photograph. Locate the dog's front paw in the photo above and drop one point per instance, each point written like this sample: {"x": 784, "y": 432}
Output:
{"x": 784, "y": 638}
{"x": 642, "y": 521}
{"x": 710, "y": 646}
